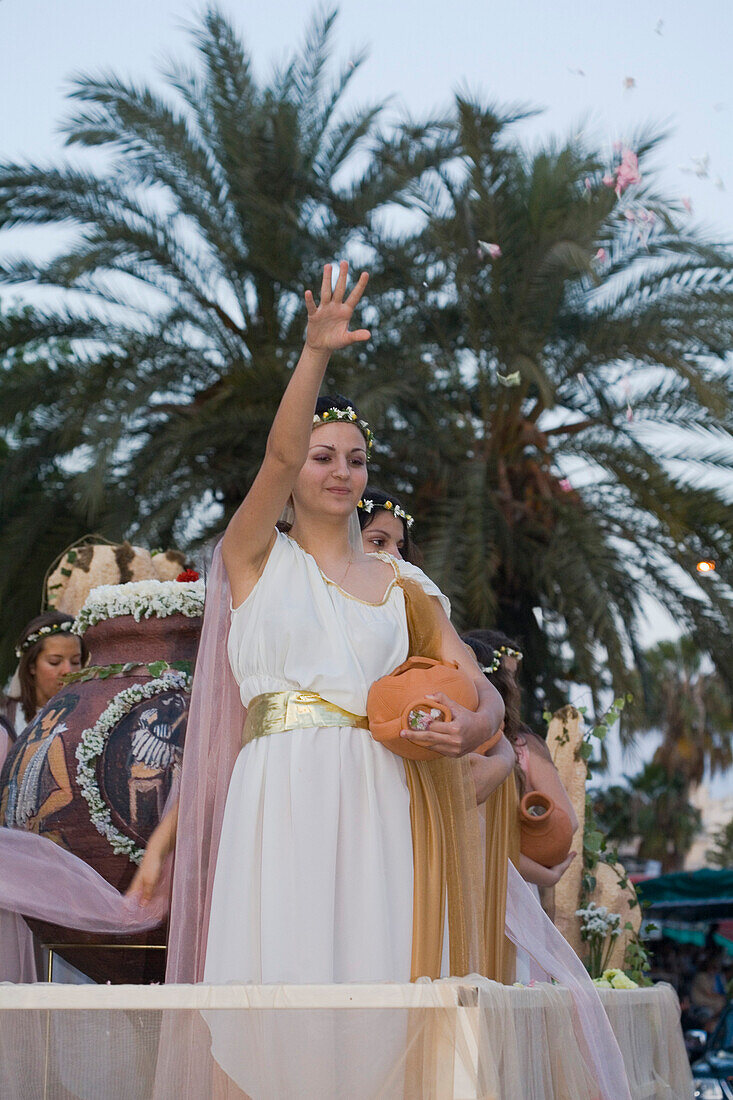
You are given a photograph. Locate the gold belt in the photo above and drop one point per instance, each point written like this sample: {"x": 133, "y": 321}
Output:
{"x": 278, "y": 711}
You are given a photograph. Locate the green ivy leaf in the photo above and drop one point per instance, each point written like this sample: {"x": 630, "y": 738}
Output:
{"x": 593, "y": 840}
{"x": 157, "y": 668}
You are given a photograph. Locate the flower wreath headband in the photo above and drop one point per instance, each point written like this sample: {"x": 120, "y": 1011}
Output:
{"x": 502, "y": 651}
{"x": 38, "y": 635}
{"x": 388, "y": 506}
{"x": 330, "y": 416}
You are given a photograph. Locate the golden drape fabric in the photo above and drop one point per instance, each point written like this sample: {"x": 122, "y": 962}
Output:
{"x": 448, "y": 852}
{"x": 502, "y": 844}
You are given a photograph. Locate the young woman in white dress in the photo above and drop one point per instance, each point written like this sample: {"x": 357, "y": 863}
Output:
{"x": 314, "y": 869}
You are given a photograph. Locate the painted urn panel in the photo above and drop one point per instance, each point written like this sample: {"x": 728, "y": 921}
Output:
{"x": 43, "y": 788}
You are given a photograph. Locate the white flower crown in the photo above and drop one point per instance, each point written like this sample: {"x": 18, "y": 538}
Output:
{"x": 328, "y": 416}
{"x": 396, "y": 510}
{"x": 43, "y": 632}
{"x": 502, "y": 651}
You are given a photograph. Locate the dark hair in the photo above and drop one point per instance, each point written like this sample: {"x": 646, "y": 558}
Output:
{"x": 409, "y": 550}
{"x": 29, "y": 656}
{"x": 484, "y": 644}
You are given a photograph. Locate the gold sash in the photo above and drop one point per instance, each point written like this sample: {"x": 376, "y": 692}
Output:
{"x": 278, "y": 711}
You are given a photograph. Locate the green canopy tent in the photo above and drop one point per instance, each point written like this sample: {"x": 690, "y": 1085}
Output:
{"x": 704, "y": 895}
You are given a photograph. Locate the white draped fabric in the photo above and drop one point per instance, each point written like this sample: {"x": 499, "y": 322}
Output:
{"x": 446, "y": 1040}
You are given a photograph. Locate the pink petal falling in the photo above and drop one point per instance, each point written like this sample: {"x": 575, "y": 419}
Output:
{"x": 627, "y": 172}
{"x": 488, "y": 248}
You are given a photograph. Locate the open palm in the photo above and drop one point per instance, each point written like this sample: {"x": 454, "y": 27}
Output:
{"x": 328, "y": 322}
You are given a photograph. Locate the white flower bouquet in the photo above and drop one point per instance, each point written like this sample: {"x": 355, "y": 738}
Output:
{"x": 142, "y": 600}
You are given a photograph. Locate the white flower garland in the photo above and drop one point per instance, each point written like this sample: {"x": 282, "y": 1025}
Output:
{"x": 142, "y": 600}
{"x": 92, "y": 745}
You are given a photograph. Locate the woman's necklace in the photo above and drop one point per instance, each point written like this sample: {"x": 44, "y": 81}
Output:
{"x": 348, "y": 566}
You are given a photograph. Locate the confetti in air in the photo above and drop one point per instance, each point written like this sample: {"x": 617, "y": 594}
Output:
{"x": 488, "y": 248}
{"x": 700, "y": 166}
{"x": 629, "y": 83}
{"x": 627, "y": 172}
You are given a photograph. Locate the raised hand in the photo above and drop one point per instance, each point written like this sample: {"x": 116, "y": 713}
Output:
{"x": 328, "y": 322}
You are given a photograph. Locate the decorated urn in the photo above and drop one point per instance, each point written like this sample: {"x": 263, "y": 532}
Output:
{"x": 93, "y": 770}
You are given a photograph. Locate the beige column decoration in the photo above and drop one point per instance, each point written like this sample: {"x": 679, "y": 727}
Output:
{"x": 564, "y": 736}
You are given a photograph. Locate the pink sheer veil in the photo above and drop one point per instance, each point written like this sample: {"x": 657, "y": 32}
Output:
{"x": 213, "y": 741}
{"x": 528, "y": 926}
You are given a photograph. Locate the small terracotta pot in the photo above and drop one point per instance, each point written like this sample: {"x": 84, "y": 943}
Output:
{"x": 393, "y": 697}
{"x": 546, "y": 834}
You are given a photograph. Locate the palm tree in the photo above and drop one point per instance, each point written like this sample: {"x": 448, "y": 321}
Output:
{"x": 43, "y": 509}
{"x": 578, "y": 339}
{"x": 690, "y": 705}
{"x": 151, "y": 377}
{"x": 651, "y": 811}
{"x": 721, "y": 854}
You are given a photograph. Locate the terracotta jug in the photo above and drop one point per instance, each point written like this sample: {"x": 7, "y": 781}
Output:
{"x": 397, "y": 701}
{"x": 546, "y": 832}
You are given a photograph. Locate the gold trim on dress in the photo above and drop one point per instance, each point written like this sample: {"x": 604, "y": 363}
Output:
{"x": 278, "y": 711}
{"x": 349, "y": 596}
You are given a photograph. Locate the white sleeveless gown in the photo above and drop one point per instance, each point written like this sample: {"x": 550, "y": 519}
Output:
{"x": 314, "y": 872}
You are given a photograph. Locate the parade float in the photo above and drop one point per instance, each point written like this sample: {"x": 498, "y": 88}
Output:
{"x": 94, "y": 769}
{"x": 93, "y": 773}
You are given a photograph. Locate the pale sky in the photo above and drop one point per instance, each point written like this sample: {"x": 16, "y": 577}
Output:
{"x": 570, "y": 58}
{"x": 677, "y": 53}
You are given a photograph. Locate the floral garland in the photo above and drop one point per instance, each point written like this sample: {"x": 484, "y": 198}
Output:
{"x": 92, "y": 745}
{"x": 53, "y": 628}
{"x": 396, "y": 509}
{"x": 501, "y": 652}
{"x": 142, "y": 600}
{"x": 329, "y": 416}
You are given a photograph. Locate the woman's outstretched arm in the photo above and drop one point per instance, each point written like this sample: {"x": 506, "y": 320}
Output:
{"x": 250, "y": 534}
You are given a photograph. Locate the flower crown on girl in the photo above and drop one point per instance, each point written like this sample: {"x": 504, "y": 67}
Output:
{"x": 395, "y": 509}
{"x": 502, "y": 651}
{"x": 328, "y": 416}
{"x": 43, "y": 632}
